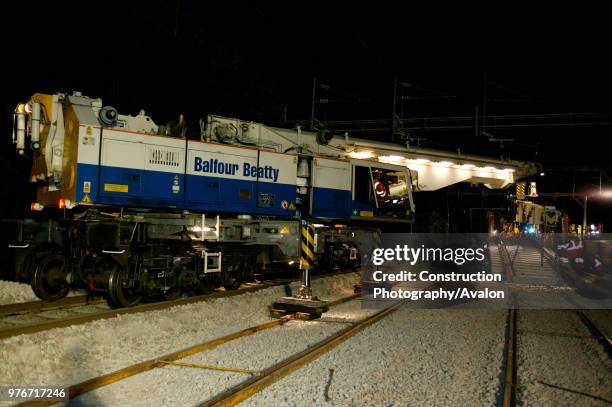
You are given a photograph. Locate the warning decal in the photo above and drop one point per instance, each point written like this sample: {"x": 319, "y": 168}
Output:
{"x": 115, "y": 188}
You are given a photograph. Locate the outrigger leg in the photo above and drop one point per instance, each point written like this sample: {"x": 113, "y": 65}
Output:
{"x": 304, "y": 305}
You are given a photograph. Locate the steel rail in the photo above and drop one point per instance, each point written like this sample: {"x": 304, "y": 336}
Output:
{"x": 509, "y": 367}
{"x": 114, "y": 313}
{"x": 106, "y": 379}
{"x": 41, "y": 305}
{"x": 276, "y": 372}
{"x": 510, "y": 370}
{"x": 597, "y": 332}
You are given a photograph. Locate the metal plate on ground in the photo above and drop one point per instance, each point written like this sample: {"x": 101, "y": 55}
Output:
{"x": 303, "y": 308}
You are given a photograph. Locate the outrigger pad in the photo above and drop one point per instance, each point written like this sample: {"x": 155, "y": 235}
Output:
{"x": 303, "y": 308}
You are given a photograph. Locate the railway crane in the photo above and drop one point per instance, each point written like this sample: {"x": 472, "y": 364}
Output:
{"x": 134, "y": 209}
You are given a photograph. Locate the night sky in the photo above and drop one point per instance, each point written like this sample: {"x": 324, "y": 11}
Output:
{"x": 257, "y": 61}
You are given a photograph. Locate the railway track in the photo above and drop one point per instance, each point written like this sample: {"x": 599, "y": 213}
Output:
{"x": 510, "y": 393}
{"x": 29, "y": 317}
{"x": 76, "y": 311}
{"x": 276, "y": 372}
{"x": 32, "y": 307}
{"x": 248, "y": 387}
{"x": 511, "y": 379}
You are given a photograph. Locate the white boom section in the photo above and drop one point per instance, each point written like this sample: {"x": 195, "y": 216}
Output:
{"x": 431, "y": 169}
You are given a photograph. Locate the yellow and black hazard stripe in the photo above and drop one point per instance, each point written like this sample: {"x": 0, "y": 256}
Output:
{"x": 520, "y": 190}
{"x": 307, "y": 255}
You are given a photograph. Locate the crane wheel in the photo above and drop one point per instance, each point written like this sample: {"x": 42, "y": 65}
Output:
{"x": 119, "y": 292}
{"x": 49, "y": 278}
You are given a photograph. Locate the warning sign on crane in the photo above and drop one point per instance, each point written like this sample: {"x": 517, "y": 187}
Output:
{"x": 533, "y": 191}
